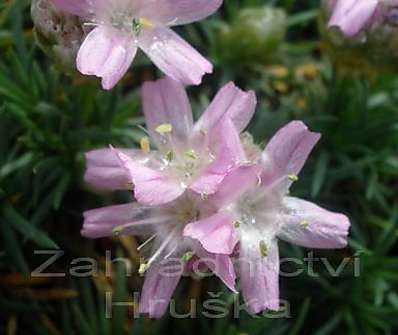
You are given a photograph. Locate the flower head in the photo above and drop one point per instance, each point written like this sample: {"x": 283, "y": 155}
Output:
{"x": 166, "y": 252}
{"x": 188, "y": 156}
{"x": 120, "y": 27}
{"x": 254, "y": 200}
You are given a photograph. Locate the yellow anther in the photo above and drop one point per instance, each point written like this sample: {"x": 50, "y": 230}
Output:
{"x": 263, "y": 249}
{"x": 145, "y": 145}
{"x": 304, "y": 223}
{"x": 293, "y": 177}
{"x": 164, "y": 128}
{"x": 117, "y": 230}
{"x": 191, "y": 154}
{"x": 187, "y": 256}
{"x": 143, "y": 268}
{"x": 145, "y": 23}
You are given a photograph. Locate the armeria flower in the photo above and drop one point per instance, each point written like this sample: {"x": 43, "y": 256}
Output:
{"x": 352, "y": 16}
{"x": 188, "y": 157}
{"x": 168, "y": 252}
{"x": 254, "y": 200}
{"x": 120, "y": 27}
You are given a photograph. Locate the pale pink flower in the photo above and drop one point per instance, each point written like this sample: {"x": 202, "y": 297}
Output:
{"x": 121, "y": 27}
{"x": 188, "y": 156}
{"x": 166, "y": 251}
{"x": 254, "y": 210}
{"x": 352, "y": 16}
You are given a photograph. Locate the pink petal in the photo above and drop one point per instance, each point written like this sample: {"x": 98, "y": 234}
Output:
{"x": 106, "y": 53}
{"x": 157, "y": 291}
{"x": 103, "y": 170}
{"x": 229, "y": 102}
{"x": 234, "y": 185}
{"x": 352, "y": 15}
{"x": 308, "y": 225}
{"x": 259, "y": 277}
{"x": 101, "y": 222}
{"x": 228, "y": 152}
{"x": 75, "y": 7}
{"x": 166, "y": 102}
{"x": 151, "y": 187}
{"x": 220, "y": 265}
{"x": 288, "y": 150}
{"x": 176, "y": 12}
{"x": 175, "y": 57}
{"x": 216, "y": 233}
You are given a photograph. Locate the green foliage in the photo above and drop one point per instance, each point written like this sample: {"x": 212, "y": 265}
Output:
{"x": 48, "y": 120}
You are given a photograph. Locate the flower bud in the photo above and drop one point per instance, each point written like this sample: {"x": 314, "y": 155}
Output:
{"x": 255, "y": 35}
{"x": 361, "y": 34}
{"x": 57, "y": 33}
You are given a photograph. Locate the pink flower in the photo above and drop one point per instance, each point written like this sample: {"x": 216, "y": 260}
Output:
{"x": 351, "y": 16}
{"x": 169, "y": 252}
{"x": 188, "y": 157}
{"x": 254, "y": 211}
{"x": 120, "y": 27}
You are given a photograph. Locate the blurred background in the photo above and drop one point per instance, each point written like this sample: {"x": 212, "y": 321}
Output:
{"x": 50, "y": 115}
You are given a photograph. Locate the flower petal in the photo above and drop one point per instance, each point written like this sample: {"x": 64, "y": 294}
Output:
{"x": 151, "y": 187}
{"x": 176, "y": 12}
{"x": 103, "y": 170}
{"x": 166, "y": 102}
{"x": 307, "y": 225}
{"x": 235, "y": 183}
{"x": 106, "y": 53}
{"x": 216, "y": 233}
{"x": 352, "y": 15}
{"x": 288, "y": 150}
{"x": 228, "y": 152}
{"x": 259, "y": 277}
{"x": 101, "y": 222}
{"x": 220, "y": 265}
{"x": 174, "y": 56}
{"x": 157, "y": 291}
{"x": 75, "y": 7}
{"x": 229, "y": 102}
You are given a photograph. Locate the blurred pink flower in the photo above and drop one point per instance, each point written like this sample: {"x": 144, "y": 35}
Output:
{"x": 351, "y": 16}
{"x": 166, "y": 251}
{"x": 120, "y": 27}
{"x": 188, "y": 156}
{"x": 254, "y": 211}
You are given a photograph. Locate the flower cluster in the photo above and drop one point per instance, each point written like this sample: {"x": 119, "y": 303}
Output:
{"x": 353, "y": 17}
{"x": 120, "y": 27}
{"x": 206, "y": 194}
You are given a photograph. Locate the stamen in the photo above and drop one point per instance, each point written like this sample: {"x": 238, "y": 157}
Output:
{"x": 145, "y": 23}
{"x": 162, "y": 247}
{"x": 164, "y": 128}
{"x": 117, "y": 230}
{"x": 149, "y": 240}
{"x": 191, "y": 154}
{"x": 136, "y": 26}
{"x": 169, "y": 156}
{"x": 145, "y": 145}
{"x": 293, "y": 177}
{"x": 304, "y": 223}
{"x": 143, "y": 268}
{"x": 187, "y": 256}
{"x": 263, "y": 249}
{"x": 237, "y": 224}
